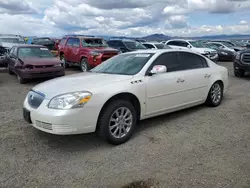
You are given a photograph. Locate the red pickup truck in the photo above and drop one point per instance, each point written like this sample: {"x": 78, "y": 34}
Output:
{"x": 85, "y": 51}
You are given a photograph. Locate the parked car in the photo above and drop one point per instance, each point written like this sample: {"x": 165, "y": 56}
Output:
{"x": 121, "y": 91}
{"x": 6, "y": 42}
{"x": 155, "y": 45}
{"x": 125, "y": 45}
{"x": 45, "y": 41}
{"x": 242, "y": 63}
{"x": 33, "y": 61}
{"x": 224, "y": 53}
{"x": 194, "y": 46}
{"x": 230, "y": 44}
{"x": 224, "y": 46}
{"x": 87, "y": 52}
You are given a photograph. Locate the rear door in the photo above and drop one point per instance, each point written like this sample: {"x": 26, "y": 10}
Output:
{"x": 197, "y": 76}
{"x": 68, "y": 49}
{"x": 75, "y": 50}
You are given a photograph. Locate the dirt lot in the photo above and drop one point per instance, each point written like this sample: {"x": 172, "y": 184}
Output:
{"x": 200, "y": 147}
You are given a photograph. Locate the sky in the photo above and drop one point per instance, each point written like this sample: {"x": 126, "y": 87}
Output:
{"x": 136, "y": 18}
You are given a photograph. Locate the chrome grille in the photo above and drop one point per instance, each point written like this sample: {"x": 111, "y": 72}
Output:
{"x": 245, "y": 58}
{"x": 44, "y": 125}
{"x": 35, "y": 99}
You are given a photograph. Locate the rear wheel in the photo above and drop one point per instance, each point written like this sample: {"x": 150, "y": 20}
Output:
{"x": 117, "y": 122}
{"x": 215, "y": 95}
{"x": 84, "y": 65}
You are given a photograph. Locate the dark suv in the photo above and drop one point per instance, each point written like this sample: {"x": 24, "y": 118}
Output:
{"x": 125, "y": 45}
{"x": 85, "y": 51}
{"x": 242, "y": 63}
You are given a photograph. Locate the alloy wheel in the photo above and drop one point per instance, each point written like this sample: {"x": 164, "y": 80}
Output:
{"x": 216, "y": 93}
{"x": 120, "y": 122}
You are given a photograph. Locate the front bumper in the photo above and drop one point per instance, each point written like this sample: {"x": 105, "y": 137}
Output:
{"x": 61, "y": 122}
{"x": 41, "y": 73}
{"x": 240, "y": 66}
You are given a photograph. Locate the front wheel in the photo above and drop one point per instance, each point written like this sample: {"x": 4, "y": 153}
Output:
{"x": 117, "y": 122}
{"x": 215, "y": 95}
{"x": 84, "y": 65}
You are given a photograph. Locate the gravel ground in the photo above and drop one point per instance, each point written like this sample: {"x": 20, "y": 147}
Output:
{"x": 199, "y": 147}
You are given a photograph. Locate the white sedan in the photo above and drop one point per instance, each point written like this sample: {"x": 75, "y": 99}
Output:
{"x": 111, "y": 98}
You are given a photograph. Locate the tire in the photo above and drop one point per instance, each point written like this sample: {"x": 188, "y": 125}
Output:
{"x": 239, "y": 73}
{"x": 215, "y": 95}
{"x": 21, "y": 80}
{"x": 62, "y": 58}
{"x": 9, "y": 71}
{"x": 108, "y": 122}
{"x": 84, "y": 65}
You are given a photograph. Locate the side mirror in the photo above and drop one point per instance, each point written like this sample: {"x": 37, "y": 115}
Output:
{"x": 189, "y": 46}
{"x": 158, "y": 69}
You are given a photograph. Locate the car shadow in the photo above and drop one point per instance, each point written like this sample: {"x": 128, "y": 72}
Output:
{"x": 82, "y": 142}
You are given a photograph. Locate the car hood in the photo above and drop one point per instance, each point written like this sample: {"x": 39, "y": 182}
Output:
{"x": 40, "y": 61}
{"x": 78, "y": 82}
{"x": 103, "y": 49}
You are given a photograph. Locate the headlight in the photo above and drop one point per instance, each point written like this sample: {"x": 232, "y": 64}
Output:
{"x": 224, "y": 53}
{"x": 237, "y": 56}
{"x": 95, "y": 53}
{"x": 70, "y": 100}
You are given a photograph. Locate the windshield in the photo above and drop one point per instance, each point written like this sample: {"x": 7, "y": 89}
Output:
{"x": 210, "y": 45}
{"x": 125, "y": 64}
{"x": 41, "y": 52}
{"x": 161, "y": 46}
{"x": 13, "y": 40}
{"x": 196, "y": 44}
{"x": 227, "y": 44}
{"x": 134, "y": 45}
{"x": 94, "y": 43}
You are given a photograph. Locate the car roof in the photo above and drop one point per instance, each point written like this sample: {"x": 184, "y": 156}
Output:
{"x": 128, "y": 40}
{"x": 83, "y": 37}
{"x": 10, "y": 36}
{"x": 151, "y": 43}
{"x": 179, "y": 40}
{"x": 160, "y": 51}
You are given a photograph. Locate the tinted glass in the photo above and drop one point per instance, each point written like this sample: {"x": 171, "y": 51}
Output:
{"x": 134, "y": 45}
{"x": 40, "y": 52}
{"x": 174, "y": 43}
{"x": 76, "y": 42}
{"x": 170, "y": 60}
{"x": 125, "y": 64}
{"x": 191, "y": 61}
{"x": 70, "y": 42}
{"x": 149, "y": 46}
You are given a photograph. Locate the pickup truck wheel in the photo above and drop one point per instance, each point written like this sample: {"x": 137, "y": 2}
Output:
{"x": 215, "y": 95}
{"x": 239, "y": 73}
{"x": 62, "y": 58}
{"x": 21, "y": 80}
{"x": 9, "y": 70}
{"x": 84, "y": 65}
{"x": 117, "y": 122}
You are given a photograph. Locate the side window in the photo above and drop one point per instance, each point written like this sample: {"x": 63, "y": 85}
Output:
{"x": 75, "y": 42}
{"x": 183, "y": 43}
{"x": 15, "y": 51}
{"x": 170, "y": 60}
{"x": 70, "y": 42}
{"x": 62, "y": 41}
{"x": 149, "y": 46}
{"x": 172, "y": 43}
{"x": 191, "y": 61}
{"x": 111, "y": 43}
{"x": 120, "y": 44}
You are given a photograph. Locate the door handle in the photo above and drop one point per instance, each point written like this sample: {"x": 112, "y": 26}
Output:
{"x": 207, "y": 75}
{"x": 180, "y": 80}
